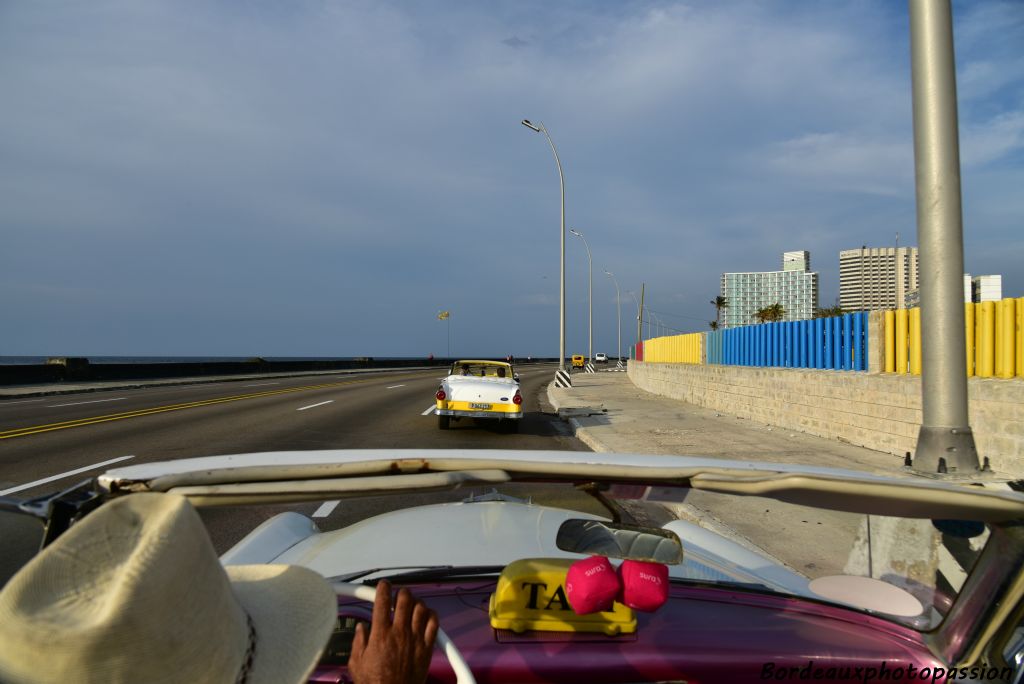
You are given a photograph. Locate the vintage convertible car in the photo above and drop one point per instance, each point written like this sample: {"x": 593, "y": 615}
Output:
{"x": 494, "y": 566}
{"x": 482, "y": 390}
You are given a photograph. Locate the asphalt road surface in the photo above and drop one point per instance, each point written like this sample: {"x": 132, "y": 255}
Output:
{"x": 45, "y": 440}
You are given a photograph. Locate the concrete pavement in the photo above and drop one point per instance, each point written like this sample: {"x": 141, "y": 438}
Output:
{"x": 609, "y": 413}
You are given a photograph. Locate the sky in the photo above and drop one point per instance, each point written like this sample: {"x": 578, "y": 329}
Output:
{"x": 317, "y": 178}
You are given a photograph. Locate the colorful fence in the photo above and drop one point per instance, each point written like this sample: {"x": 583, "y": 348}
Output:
{"x": 674, "y": 349}
{"x": 837, "y": 343}
{"x": 994, "y": 334}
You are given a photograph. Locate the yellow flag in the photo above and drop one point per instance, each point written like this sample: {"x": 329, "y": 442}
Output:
{"x": 443, "y": 316}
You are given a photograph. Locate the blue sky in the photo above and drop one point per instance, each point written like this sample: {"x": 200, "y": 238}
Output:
{"x": 320, "y": 178}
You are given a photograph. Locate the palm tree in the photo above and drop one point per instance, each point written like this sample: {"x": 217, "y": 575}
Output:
{"x": 830, "y": 311}
{"x": 770, "y": 313}
{"x": 714, "y": 325}
{"x": 719, "y": 303}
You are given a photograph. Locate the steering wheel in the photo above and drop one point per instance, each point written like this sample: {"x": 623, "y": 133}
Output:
{"x": 463, "y": 675}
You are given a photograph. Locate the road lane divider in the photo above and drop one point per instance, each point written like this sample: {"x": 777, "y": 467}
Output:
{"x": 394, "y": 387}
{"x": 76, "y": 471}
{"x": 430, "y": 409}
{"x": 329, "y": 401}
{"x": 35, "y": 429}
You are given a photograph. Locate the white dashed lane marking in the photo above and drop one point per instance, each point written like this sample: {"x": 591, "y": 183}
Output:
{"x": 69, "y": 473}
{"x": 430, "y": 409}
{"x": 329, "y": 401}
{"x": 79, "y": 403}
{"x": 326, "y": 508}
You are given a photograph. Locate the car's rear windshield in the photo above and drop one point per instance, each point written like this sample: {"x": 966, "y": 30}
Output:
{"x": 482, "y": 370}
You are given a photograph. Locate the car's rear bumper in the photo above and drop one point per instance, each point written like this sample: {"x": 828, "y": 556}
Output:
{"x": 479, "y": 414}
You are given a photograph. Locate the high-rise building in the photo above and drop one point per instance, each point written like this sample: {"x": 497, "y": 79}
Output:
{"x": 795, "y": 288}
{"x": 987, "y": 288}
{"x": 877, "y": 277}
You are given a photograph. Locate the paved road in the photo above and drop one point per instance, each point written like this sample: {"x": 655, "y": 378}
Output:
{"x": 44, "y": 437}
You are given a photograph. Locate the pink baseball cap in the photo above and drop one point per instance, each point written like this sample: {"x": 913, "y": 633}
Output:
{"x": 591, "y": 585}
{"x": 644, "y": 585}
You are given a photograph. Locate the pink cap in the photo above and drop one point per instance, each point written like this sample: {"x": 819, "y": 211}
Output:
{"x": 644, "y": 585}
{"x": 591, "y": 585}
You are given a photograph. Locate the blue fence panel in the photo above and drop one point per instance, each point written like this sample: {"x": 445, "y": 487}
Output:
{"x": 859, "y": 323}
{"x": 837, "y": 343}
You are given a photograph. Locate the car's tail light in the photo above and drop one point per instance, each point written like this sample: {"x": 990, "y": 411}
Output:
{"x": 518, "y": 399}
{"x": 441, "y": 396}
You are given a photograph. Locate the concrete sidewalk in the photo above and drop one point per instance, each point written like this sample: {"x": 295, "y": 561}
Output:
{"x": 609, "y": 413}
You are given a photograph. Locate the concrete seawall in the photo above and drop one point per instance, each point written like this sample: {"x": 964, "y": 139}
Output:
{"x": 877, "y": 411}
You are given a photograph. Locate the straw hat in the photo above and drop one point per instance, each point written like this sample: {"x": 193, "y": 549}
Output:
{"x": 135, "y": 593}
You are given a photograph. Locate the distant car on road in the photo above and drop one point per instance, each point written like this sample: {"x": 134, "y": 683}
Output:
{"x": 600, "y": 358}
{"x": 577, "y": 360}
{"x": 482, "y": 390}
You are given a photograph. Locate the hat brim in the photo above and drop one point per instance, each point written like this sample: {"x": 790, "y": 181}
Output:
{"x": 293, "y": 610}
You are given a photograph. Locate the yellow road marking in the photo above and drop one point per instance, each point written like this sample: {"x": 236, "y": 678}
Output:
{"x": 22, "y": 432}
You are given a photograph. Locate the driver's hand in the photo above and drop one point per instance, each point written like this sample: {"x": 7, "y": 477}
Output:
{"x": 398, "y": 650}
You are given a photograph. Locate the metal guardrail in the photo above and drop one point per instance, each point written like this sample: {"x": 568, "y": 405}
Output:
{"x": 994, "y": 339}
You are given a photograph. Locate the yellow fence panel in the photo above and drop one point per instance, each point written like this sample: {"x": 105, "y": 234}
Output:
{"x": 915, "y": 342}
{"x": 969, "y": 335}
{"x": 674, "y": 349}
{"x": 1019, "y": 334}
{"x": 902, "y": 340}
{"x": 890, "y": 341}
{"x": 1006, "y": 327}
{"x": 993, "y": 331}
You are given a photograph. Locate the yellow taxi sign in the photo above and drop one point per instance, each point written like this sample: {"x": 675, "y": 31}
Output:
{"x": 531, "y": 596}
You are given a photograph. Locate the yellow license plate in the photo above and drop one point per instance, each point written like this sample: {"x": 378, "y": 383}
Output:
{"x": 484, "y": 407}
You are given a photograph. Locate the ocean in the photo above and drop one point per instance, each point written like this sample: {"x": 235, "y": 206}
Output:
{"x": 37, "y": 360}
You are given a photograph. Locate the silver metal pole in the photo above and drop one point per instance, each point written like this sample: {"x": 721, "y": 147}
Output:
{"x": 590, "y": 296}
{"x": 618, "y": 314}
{"x": 945, "y": 443}
{"x": 539, "y": 127}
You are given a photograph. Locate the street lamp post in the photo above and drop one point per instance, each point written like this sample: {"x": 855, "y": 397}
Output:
{"x": 539, "y": 128}
{"x": 590, "y": 296}
{"x": 618, "y": 313}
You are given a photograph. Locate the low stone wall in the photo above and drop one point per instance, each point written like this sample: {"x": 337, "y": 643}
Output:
{"x": 877, "y": 411}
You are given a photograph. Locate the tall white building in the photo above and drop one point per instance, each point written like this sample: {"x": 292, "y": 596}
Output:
{"x": 987, "y": 288}
{"x": 877, "y": 277}
{"x": 795, "y": 287}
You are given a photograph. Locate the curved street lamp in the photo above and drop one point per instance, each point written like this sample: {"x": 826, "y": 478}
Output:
{"x": 618, "y": 313}
{"x": 590, "y": 295}
{"x": 539, "y": 128}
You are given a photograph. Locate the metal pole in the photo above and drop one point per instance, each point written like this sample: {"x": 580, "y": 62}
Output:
{"x": 618, "y": 314}
{"x": 640, "y": 328}
{"x": 539, "y": 127}
{"x": 945, "y": 443}
{"x": 590, "y": 296}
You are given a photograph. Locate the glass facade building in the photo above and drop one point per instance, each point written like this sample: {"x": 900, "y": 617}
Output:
{"x": 795, "y": 288}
